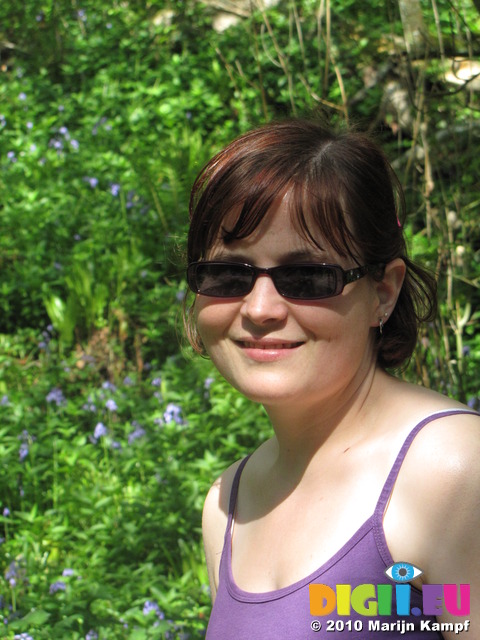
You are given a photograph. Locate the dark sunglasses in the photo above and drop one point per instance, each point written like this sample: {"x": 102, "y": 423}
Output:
{"x": 297, "y": 281}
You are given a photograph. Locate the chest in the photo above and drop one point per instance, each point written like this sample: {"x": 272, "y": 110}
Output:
{"x": 276, "y": 546}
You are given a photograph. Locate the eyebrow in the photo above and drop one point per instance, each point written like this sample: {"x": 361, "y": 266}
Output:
{"x": 291, "y": 257}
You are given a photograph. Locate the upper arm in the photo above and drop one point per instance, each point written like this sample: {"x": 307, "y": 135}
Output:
{"x": 214, "y": 522}
{"x": 451, "y": 550}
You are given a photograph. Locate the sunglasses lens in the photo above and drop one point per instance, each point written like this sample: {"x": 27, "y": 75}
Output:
{"x": 307, "y": 282}
{"x": 300, "y": 282}
{"x": 221, "y": 280}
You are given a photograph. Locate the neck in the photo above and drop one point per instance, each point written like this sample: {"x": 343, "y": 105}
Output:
{"x": 322, "y": 427}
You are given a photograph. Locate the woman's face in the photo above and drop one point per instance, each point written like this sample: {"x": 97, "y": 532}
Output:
{"x": 276, "y": 350}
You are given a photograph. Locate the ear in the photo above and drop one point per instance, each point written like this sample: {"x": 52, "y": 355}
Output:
{"x": 388, "y": 289}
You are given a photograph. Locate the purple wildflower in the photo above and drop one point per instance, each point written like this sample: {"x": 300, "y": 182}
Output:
{"x": 6, "y": 512}
{"x": 93, "y": 182}
{"x": 75, "y": 144}
{"x": 139, "y": 432}
{"x": 11, "y": 156}
{"x": 58, "y": 586}
{"x": 156, "y": 382}
{"x": 56, "y": 396}
{"x": 151, "y": 606}
{"x": 22, "y": 636}
{"x": 68, "y": 572}
{"x": 109, "y": 386}
{"x": 173, "y": 413}
{"x": 12, "y": 574}
{"x": 100, "y": 431}
{"x": 115, "y": 189}
{"x": 91, "y": 635}
{"x": 111, "y": 405}
{"x": 4, "y": 401}
{"x": 23, "y": 451}
{"x": 22, "y": 96}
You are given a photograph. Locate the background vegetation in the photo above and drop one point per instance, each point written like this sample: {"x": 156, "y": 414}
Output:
{"x": 110, "y": 434}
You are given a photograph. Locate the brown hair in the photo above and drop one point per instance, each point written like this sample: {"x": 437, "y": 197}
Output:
{"x": 341, "y": 181}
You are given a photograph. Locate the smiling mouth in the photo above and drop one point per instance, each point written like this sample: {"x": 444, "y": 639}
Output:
{"x": 270, "y": 346}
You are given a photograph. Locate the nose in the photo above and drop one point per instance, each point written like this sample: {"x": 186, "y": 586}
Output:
{"x": 264, "y": 305}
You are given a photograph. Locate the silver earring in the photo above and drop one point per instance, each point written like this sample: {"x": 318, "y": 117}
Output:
{"x": 381, "y": 322}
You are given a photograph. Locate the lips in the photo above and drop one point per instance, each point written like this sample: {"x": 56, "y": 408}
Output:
{"x": 267, "y": 345}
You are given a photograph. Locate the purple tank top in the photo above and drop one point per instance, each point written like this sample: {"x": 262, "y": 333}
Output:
{"x": 285, "y": 614}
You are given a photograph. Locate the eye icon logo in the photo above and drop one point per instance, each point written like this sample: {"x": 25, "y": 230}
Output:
{"x": 403, "y": 572}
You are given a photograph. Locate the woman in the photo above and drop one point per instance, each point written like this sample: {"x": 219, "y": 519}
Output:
{"x": 370, "y": 487}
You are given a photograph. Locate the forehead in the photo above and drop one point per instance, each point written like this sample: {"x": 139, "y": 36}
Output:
{"x": 278, "y": 233}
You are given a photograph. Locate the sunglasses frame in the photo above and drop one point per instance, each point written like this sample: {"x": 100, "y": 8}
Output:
{"x": 346, "y": 276}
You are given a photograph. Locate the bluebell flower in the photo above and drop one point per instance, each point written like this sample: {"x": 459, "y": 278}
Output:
{"x": 151, "y": 606}
{"x": 6, "y": 512}
{"x": 111, "y": 405}
{"x": 156, "y": 382}
{"x": 115, "y": 189}
{"x": 4, "y": 401}
{"x": 100, "y": 431}
{"x": 29, "y": 125}
{"x": 127, "y": 381}
{"x": 56, "y": 396}
{"x": 93, "y": 182}
{"x": 139, "y": 432}
{"x": 23, "y": 451}
{"x": 109, "y": 386}
{"x": 58, "y": 586}
{"x": 75, "y": 144}
{"x": 68, "y": 572}
{"x": 22, "y": 636}
{"x": 11, "y": 574}
{"x": 173, "y": 413}
{"x": 22, "y": 96}
{"x": 11, "y": 156}
{"x": 91, "y": 635}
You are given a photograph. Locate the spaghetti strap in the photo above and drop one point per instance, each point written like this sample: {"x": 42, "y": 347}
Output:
{"x": 392, "y": 476}
{"x": 234, "y": 493}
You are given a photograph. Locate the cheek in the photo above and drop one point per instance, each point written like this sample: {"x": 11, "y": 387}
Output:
{"x": 212, "y": 319}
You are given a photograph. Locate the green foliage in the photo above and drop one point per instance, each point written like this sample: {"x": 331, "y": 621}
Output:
{"x": 102, "y": 490}
{"x": 107, "y": 113}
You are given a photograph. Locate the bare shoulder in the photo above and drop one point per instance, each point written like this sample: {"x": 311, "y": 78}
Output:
{"x": 436, "y": 499}
{"x": 214, "y": 522}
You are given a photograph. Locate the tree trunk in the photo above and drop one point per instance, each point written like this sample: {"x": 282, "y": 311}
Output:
{"x": 413, "y": 26}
